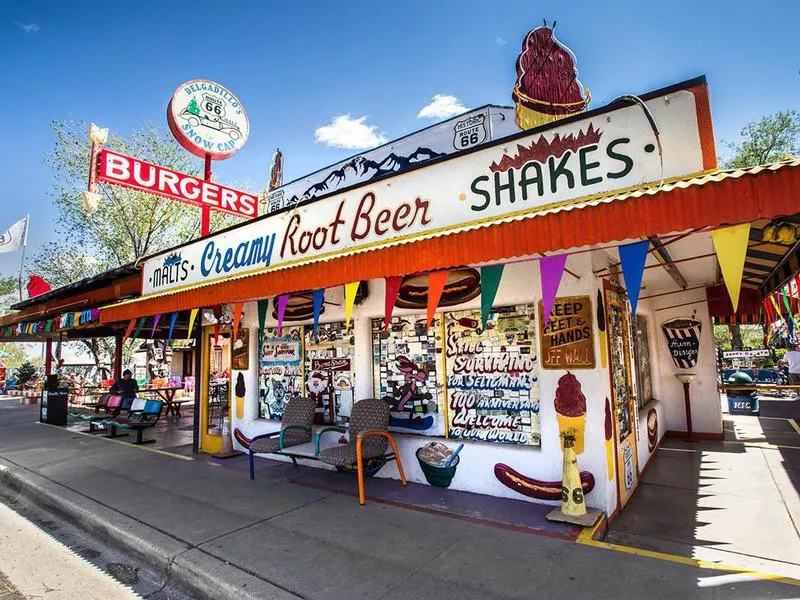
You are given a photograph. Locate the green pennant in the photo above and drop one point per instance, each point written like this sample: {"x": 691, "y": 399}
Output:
{"x": 139, "y": 325}
{"x": 263, "y": 305}
{"x": 490, "y": 281}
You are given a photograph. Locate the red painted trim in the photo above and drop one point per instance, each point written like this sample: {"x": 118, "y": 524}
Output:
{"x": 705, "y": 126}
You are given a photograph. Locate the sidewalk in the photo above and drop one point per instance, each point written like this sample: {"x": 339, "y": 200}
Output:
{"x": 213, "y": 529}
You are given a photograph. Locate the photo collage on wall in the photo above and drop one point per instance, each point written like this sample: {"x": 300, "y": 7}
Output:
{"x": 329, "y": 372}
{"x": 492, "y": 381}
{"x": 408, "y": 373}
{"x": 280, "y": 370}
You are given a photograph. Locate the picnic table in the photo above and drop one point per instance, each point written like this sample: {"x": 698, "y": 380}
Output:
{"x": 167, "y": 394}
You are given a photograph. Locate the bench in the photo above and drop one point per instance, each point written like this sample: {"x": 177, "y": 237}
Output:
{"x": 137, "y": 420}
{"x": 112, "y": 408}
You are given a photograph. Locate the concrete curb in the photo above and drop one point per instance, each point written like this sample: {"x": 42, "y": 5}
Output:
{"x": 172, "y": 559}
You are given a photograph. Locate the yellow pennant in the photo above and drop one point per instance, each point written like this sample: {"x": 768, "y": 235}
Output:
{"x": 730, "y": 244}
{"x": 350, "y": 290}
{"x": 191, "y": 323}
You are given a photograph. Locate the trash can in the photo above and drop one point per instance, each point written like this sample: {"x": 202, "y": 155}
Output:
{"x": 742, "y": 402}
{"x": 53, "y": 408}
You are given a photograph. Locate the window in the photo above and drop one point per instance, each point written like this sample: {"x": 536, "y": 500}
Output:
{"x": 641, "y": 352}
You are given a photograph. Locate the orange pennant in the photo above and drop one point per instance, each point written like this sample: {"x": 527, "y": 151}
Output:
{"x": 436, "y": 283}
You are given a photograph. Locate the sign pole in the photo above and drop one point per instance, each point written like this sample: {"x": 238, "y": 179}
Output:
{"x": 205, "y": 214}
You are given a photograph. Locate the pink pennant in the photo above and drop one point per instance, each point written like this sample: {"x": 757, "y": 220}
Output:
{"x": 156, "y": 319}
{"x": 551, "y": 269}
{"x": 282, "y": 301}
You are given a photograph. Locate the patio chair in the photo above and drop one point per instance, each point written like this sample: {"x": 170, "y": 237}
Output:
{"x": 369, "y": 438}
{"x": 138, "y": 420}
{"x": 295, "y": 430}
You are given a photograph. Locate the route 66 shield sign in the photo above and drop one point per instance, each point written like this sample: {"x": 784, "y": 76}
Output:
{"x": 470, "y": 132}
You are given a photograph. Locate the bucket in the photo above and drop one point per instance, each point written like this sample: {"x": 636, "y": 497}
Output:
{"x": 438, "y": 476}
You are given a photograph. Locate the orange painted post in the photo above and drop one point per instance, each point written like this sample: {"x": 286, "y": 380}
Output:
{"x": 360, "y": 463}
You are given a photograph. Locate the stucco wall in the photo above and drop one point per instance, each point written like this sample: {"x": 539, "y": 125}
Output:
{"x": 520, "y": 284}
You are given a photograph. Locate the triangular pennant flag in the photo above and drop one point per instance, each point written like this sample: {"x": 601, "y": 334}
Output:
{"x": 129, "y": 329}
{"x": 551, "y": 268}
{"x": 217, "y": 317}
{"x": 281, "y": 309}
{"x": 777, "y": 309}
{"x": 392, "y": 289}
{"x": 632, "y": 258}
{"x": 139, "y": 325}
{"x": 237, "y": 315}
{"x": 730, "y": 244}
{"x": 436, "y": 282}
{"x": 192, "y": 317}
{"x": 350, "y": 290}
{"x": 172, "y": 318}
{"x": 318, "y": 300}
{"x": 490, "y": 281}
{"x": 156, "y": 319}
{"x": 263, "y": 305}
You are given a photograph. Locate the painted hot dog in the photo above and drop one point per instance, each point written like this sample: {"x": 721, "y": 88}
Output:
{"x": 536, "y": 488}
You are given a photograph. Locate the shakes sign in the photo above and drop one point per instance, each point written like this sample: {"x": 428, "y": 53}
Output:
{"x": 602, "y": 151}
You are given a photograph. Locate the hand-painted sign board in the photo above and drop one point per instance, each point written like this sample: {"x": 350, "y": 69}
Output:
{"x": 568, "y": 340}
{"x": 524, "y": 175}
{"x": 745, "y": 353}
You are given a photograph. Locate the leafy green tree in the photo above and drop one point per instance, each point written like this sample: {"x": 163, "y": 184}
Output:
{"x": 26, "y": 374}
{"x": 12, "y": 355}
{"x": 127, "y": 225}
{"x": 193, "y": 108}
{"x": 8, "y": 285}
{"x": 764, "y": 141}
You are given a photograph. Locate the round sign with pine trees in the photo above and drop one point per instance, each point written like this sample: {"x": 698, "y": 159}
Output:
{"x": 207, "y": 119}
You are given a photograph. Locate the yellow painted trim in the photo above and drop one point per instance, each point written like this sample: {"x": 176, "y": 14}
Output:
{"x": 210, "y": 444}
{"x": 585, "y": 538}
{"x": 430, "y": 233}
{"x": 794, "y": 425}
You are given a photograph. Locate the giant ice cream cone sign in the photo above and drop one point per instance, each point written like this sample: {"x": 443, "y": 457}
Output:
{"x": 547, "y": 87}
{"x": 570, "y": 407}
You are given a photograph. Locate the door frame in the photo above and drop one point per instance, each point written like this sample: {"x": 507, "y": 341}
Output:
{"x": 634, "y": 417}
{"x": 210, "y": 443}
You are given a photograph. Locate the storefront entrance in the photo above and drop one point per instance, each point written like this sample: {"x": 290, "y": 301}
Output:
{"x": 623, "y": 401}
{"x": 216, "y": 390}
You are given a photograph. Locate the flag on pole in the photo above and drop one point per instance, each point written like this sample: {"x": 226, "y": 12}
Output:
{"x": 15, "y": 237}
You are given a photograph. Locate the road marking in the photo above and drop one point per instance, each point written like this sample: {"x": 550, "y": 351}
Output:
{"x": 108, "y": 439}
{"x": 794, "y": 425}
{"x": 586, "y": 537}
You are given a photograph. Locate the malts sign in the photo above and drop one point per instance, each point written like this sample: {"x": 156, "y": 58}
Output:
{"x": 605, "y": 150}
{"x": 136, "y": 174}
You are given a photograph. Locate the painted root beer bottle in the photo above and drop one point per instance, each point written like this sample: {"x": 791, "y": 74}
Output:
{"x": 572, "y": 502}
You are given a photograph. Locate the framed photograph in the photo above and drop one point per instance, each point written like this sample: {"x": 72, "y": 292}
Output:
{"x": 241, "y": 350}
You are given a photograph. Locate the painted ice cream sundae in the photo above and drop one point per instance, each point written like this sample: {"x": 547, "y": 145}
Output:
{"x": 570, "y": 407}
{"x": 547, "y": 87}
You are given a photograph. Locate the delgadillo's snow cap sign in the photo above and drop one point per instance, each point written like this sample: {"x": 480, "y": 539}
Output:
{"x": 207, "y": 119}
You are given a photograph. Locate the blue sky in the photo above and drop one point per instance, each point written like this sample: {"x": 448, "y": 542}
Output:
{"x": 296, "y": 66}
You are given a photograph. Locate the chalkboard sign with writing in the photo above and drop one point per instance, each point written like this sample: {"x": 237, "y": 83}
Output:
{"x": 568, "y": 340}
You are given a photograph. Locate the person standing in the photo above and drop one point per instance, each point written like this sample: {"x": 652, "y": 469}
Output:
{"x": 792, "y": 358}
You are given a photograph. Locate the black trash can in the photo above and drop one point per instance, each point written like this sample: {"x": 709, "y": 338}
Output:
{"x": 53, "y": 407}
{"x": 742, "y": 402}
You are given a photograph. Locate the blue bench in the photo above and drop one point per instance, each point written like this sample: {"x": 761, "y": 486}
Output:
{"x": 137, "y": 420}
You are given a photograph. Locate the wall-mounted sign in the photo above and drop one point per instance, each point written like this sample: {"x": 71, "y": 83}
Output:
{"x": 241, "y": 350}
{"x": 568, "y": 341}
{"x": 607, "y": 150}
{"x": 207, "y": 119}
{"x": 129, "y": 172}
{"x": 745, "y": 353}
{"x": 683, "y": 341}
{"x": 459, "y": 133}
{"x": 492, "y": 383}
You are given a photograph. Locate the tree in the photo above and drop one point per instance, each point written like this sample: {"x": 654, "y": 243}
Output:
{"x": 25, "y": 374}
{"x": 127, "y": 225}
{"x": 12, "y": 355}
{"x": 767, "y": 140}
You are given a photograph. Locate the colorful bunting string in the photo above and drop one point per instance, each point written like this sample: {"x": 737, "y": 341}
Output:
{"x": 436, "y": 282}
{"x": 551, "y": 269}
{"x": 490, "y": 282}
{"x": 632, "y": 258}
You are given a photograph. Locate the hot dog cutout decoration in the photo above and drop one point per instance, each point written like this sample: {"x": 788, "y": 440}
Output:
{"x": 537, "y": 488}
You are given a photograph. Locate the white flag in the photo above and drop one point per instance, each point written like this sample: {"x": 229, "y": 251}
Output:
{"x": 15, "y": 237}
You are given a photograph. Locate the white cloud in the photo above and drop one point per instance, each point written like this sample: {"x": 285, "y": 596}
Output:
{"x": 441, "y": 107}
{"x": 350, "y": 133}
{"x": 501, "y": 42}
{"x": 30, "y": 28}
